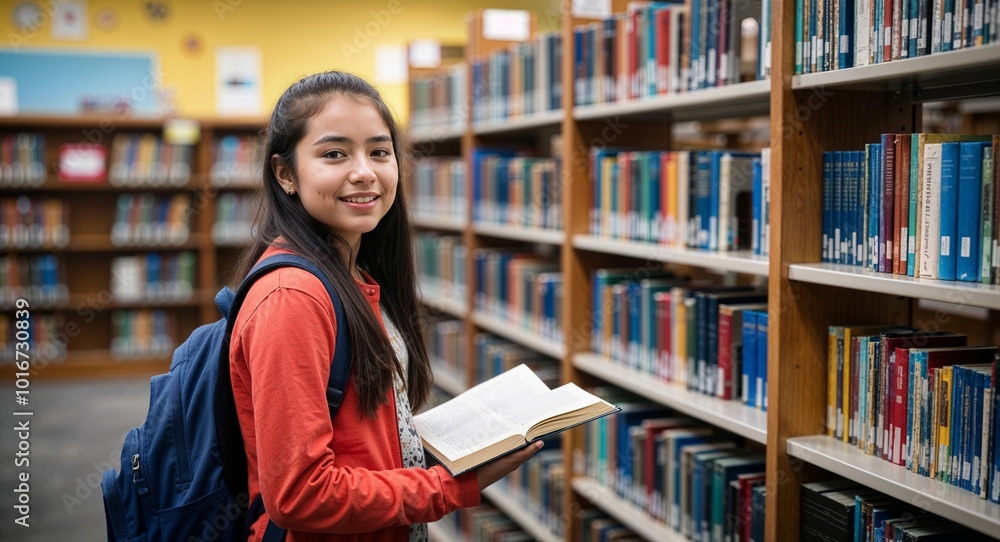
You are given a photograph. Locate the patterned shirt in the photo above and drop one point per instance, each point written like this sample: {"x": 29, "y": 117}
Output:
{"x": 409, "y": 441}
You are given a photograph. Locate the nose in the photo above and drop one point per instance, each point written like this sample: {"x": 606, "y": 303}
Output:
{"x": 361, "y": 172}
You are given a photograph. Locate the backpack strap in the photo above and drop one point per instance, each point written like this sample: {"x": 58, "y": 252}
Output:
{"x": 341, "y": 365}
{"x": 227, "y": 424}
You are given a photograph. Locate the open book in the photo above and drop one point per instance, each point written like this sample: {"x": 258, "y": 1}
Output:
{"x": 503, "y": 414}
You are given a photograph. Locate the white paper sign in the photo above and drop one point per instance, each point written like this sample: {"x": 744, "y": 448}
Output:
{"x": 425, "y": 53}
{"x": 390, "y": 64}
{"x": 591, "y": 9}
{"x": 237, "y": 81}
{"x": 8, "y": 96}
{"x": 506, "y": 24}
{"x": 69, "y": 20}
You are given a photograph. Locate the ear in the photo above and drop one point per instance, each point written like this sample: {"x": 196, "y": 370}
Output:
{"x": 283, "y": 173}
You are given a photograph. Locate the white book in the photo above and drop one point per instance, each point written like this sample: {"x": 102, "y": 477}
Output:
{"x": 501, "y": 415}
{"x": 930, "y": 210}
{"x": 862, "y": 32}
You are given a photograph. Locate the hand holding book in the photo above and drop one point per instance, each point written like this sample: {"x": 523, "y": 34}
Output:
{"x": 501, "y": 415}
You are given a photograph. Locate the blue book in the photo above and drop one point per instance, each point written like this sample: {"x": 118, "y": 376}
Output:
{"x": 993, "y": 493}
{"x": 873, "y": 153}
{"x": 703, "y": 196}
{"x": 829, "y": 226}
{"x": 762, "y": 323}
{"x": 970, "y": 220}
{"x": 750, "y": 358}
{"x": 845, "y": 35}
{"x": 755, "y": 209}
{"x": 914, "y": 180}
{"x": 858, "y": 173}
{"x": 949, "y": 209}
{"x": 955, "y": 439}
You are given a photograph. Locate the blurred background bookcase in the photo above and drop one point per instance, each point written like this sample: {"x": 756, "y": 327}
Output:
{"x": 142, "y": 246}
{"x": 798, "y": 117}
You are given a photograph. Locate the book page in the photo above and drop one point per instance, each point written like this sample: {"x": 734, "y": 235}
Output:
{"x": 470, "y": 421}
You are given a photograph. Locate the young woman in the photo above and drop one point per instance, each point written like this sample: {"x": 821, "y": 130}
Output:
{"x": 332, "y": 176}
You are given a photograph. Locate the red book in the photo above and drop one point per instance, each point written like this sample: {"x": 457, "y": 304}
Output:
{"x": 895, "y": 413}
{"x": 747, "y": 482}
{"x": 664, "y": 323}
{"x": 900, "y": 234}
{"x": 730, "y": 347}
{"x": 654, "y": 427}
{"x": 662, "y": 50}
{"x": 886, "y": 28}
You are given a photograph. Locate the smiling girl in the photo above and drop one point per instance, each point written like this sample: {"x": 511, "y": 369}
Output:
{"x": 332, "y": 193}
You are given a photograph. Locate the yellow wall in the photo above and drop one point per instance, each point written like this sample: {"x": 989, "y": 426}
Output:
{"x": 296, "y": 37}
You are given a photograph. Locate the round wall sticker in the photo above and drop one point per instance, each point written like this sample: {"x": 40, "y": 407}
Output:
{"x": 106, "y": 19}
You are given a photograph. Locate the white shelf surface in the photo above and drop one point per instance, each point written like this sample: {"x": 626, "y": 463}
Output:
{"x": 446, "y": 379}
{"x": 736, "y": 261}
{"x": 516, "y": 333}
{"x": 910, "y": 70}
{"x": 732, "y": 416}
{"x": 439, "y": 532}
{"x": 625, "y": 512}
{"x": 945, "y": 500}
{"x": 748, "y": 98}
{"x": 438, "y": 223}
{"x": 548, "y": 119}
{"x": 513, "y": 507}
{"x": 430, "y": 134}
{"x": 857, "y": 278}
{"x": 445, "y": 299}
{"x": 520, "y": 233}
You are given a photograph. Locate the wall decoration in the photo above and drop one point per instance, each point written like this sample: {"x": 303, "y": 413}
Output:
{"x": 106, "y": 19}
{"x": 192, "y": 43}
{"x": 157, "y": 11}
{"x": 69, "y": 20}
{"x": 237, "y": 81}
{"x": 27, "y": 16}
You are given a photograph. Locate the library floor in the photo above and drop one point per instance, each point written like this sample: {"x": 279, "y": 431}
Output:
{"x": 75, "y": 432}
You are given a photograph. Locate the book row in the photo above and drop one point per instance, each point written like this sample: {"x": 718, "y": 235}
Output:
{"x": 446, "y": 346}
{"x": 22, "y": 159}
{"x": 522, "y": 288}
{"x": 33, "y": 222}
{"x": 234, "y": 219}
{"x": 441, "y": 263}
{"x": 921, "y": 400}
{"x": 708, "y": 338}
{"x": 710, "y": 199}
{"x": 484, "y": 523}
{"x": 922, "y": 205}
{"x": 438, "y": 99}
{"x": 142, "y": 334}
{"x": 147, "y": 160}
{"x": 153, "y": 277}
{"x": 841, "y": 510}
{"x": 516, "y": 190}
{"x": 148, "y": 219}
{"x": 837, "y": 34}
{"x": 522, "y": 79}
{"x": 657, "y": 48}
{"x": 439, "y": 188}
{"x": 39, "y": 279}
{"x": 234, "y": 160}
{"x": 46, "y": 338}
{"x": 691, "y": 477}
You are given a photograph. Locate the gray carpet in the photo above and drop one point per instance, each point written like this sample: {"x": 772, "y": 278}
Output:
{"x": 76, "y": 432}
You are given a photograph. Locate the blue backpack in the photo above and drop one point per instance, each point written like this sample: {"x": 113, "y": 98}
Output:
{"x": 184, "y": 472}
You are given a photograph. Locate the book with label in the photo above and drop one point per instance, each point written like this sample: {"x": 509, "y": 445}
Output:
{"x": 502, "y": 415}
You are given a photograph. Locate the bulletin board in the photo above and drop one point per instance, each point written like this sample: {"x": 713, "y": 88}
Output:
{"x": 58, "y": 82}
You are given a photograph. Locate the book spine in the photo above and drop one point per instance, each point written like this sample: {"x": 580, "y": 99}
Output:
{"x": 949, "y": 210}
{"x": 970, "y": 220}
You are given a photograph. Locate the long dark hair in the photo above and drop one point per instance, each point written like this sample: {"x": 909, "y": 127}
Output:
{"x": 385, "y": 253}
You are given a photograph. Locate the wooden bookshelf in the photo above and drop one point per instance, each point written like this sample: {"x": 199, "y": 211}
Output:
{"x": 624, "y": 511}
{"x": 805, "y": 115}
{"x": 945, "y": 500}
{"x": 525, "y": 517}
{"x": 85, "y": 260}
{"x": 732, "y": 416}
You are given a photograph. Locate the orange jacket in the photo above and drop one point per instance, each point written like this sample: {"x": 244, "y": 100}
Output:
{"x": 322, "y": 481}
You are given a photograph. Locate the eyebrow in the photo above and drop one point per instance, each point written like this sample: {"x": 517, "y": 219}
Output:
{"x": 346, "y": 140}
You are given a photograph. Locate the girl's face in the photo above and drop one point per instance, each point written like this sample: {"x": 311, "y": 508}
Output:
{"x": 346, "y": 172}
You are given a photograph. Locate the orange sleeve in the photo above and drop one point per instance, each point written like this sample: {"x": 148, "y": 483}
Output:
{"x": 288, "y": 340}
